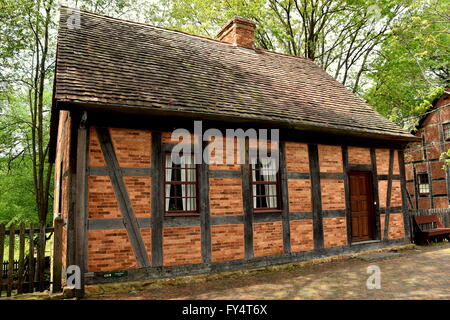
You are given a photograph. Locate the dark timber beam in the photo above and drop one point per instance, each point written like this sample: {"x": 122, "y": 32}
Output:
{"x": 348, "y": 209}
{"x": 376, "y": 195}
{"x": 388, "y": 195}
{"x": 442, "y": 144}
{"x": 248, "y": 206}
{"x": 285, "y": 199}
{"x": 205, "y": 217}
{"x": 429, "y": 172}
{"x": 129, "y": 219}
{"x": 316, "y": 195}
{"x": 225, "y": 174}
{"x": 71, "y": 181}
{"x": 406, "y": 213}
{"x": 416, "y": 187}
{"x": 132, "y": 172}
{"x": 157, "y": 201}
{"x": 81, "y": 202}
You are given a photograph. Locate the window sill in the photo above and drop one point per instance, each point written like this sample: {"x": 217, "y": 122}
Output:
{"x": 181, "y": 214}
{"x": 267, "y": 211}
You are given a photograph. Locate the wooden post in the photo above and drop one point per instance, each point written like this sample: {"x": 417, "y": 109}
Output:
{"x": 316, "y": 195}
{"x": 2, "y": 248}
{"x": 157, "y": 201}
{"x": 11, "y": 261}
{"x": 388, "y": 196}
{"x": 81, "y": 202}
{"x": 58, "y": 224}
{"x": 407, "y": 222}
{"x": 205, "y": 216}
{"x": 285, "y": 198}
{"x": 41, "y": 257}
{"x": 31, "y": 260}
{"x": 348, "y": 207}
{"x": 248, "y": 206}
{"x": 21, "y": 258}
{"x": 376, "y": 194}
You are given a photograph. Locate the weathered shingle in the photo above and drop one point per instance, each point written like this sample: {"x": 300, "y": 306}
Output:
{"x": 122, "y": 63}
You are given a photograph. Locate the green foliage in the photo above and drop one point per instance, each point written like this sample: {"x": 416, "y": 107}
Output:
{"x": 17, "y": 202}
{"x": 17, "y": 194}
{"x": 445, "y": 157}
{"x": 27, "y": 57}
{"x": 392, "y": 52}
{"x": 413, "y": 65}
{"x": 340, "y": 36}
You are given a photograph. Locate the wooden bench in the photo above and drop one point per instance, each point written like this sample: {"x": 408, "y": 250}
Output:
{"x": 429, "y": 228}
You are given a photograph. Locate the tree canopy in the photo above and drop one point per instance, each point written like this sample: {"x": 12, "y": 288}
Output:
{"x": 392, "y": 53}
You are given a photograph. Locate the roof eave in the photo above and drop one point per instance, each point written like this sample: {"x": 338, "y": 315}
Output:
{"x": 300, "y": 126}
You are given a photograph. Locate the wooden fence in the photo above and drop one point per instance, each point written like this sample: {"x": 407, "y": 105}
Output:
{"x": 25, "y": 270}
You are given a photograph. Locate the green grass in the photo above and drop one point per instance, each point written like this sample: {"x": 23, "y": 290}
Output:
{"x": 48, "y": 247}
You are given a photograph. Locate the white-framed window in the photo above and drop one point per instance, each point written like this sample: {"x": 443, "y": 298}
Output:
{"x": 424, "y": 184}
{"x": 180, "y": 186}
{"x": 446, "y": 131}
{"x": 265, "y": 185}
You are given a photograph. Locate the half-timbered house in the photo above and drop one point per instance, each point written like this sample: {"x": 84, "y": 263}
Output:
{"x": 120, "y": 90}
{"x": 428, "y": 181}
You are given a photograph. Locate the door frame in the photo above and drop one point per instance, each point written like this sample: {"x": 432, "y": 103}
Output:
{"x": 373, "y": 182}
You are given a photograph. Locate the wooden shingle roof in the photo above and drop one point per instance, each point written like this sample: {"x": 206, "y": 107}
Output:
{"x": 125, "y": 64}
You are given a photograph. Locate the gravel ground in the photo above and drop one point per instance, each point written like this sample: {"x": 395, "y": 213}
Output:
{"x": 421, "y": 273}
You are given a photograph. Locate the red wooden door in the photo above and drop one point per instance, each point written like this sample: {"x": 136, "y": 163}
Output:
{"x": 361, "y": 199}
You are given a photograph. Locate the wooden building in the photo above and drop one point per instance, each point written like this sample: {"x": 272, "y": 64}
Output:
{"x": 121, "y": 88}
{"x": 428, "y": 181}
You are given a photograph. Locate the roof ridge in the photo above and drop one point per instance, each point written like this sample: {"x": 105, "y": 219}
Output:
{"x": 141, "y": 23}
{"x": 181, "y": 32}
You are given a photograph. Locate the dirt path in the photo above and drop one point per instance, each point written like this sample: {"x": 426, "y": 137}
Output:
{"x": 414, "y": 274}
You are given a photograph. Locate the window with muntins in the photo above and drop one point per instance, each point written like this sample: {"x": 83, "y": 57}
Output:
{"x": 424, "y": 185}
{"x": 265, "y": 185}
{"x": 180, "y": 186}
{"x": 447, "y": 131}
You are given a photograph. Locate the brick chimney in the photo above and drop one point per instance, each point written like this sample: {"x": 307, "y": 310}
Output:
{"x": 239, "y": 32}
